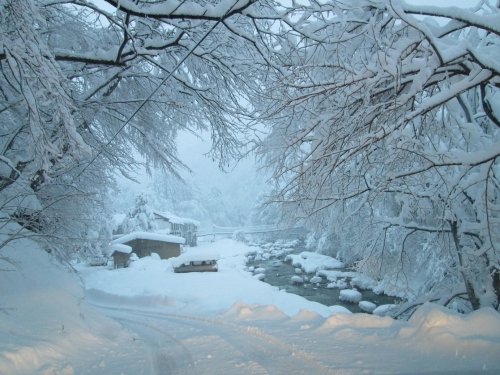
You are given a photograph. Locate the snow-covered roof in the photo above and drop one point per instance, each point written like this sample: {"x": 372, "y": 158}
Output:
{"x": 176, "y": 219}
{"x": 149, "y": 236}
{"x": 194, "y": 257}
{"x": 118, "y": 248}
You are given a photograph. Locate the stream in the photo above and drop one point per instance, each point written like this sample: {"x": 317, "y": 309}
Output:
{"x": 271, "y": 262}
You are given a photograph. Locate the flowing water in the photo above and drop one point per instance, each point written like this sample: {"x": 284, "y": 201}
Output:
{"x": 279, "y": 273}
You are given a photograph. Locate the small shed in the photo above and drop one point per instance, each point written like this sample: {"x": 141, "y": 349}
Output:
{"x": 145, "y": 243}
{"x": 196, "y": 262}
{"x": 121, "y": 255}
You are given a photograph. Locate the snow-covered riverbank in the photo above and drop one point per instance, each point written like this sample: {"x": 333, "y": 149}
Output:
{"x": 147, "y": 319}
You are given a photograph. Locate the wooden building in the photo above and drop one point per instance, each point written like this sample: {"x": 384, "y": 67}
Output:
{"x": 145, "y": 243}
{"x": 177, "y": 226}
{"x": 121, "y": 255}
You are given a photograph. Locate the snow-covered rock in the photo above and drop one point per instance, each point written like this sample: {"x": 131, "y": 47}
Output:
{"x": 259, "y": 270}
{"x": 297, "y": 280}
{"x": 363, "y": 282}
{"x": 312, "y": 262}
{"x": 367, "y": 306}
{"x": 259, "y": 276}
{"x": 333, "y": 275}
{"x": 315, "y": 279}
{"x": 338, "y": 284}
{"x": 350, "y": 295}
{"x": 298, "y": 271}
{"x": 276, "y": 264}
{"x": 384, "y": 310}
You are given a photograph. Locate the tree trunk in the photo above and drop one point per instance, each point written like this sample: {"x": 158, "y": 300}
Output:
{"x": 469, "y": 287}
{"x": 496, "y": 286}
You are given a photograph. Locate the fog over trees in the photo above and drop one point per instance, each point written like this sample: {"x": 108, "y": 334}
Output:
{"x": 379, "y": 121}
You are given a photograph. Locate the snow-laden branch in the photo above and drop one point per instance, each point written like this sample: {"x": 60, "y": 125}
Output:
{"x": 101, "y": 56}
{"x": 489, "y": 22}
{"x": 474, "y": 79}
{"x": 185, "y": 9}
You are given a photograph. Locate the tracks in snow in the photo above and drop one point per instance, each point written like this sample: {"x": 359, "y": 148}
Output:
{"x": 194, "y": 345}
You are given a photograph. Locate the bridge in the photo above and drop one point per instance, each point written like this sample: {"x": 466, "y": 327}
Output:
{"x": 228, "y": 232}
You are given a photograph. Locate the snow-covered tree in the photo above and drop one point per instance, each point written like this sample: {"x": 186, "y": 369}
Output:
{"x": 386, "y": 135}
{"x": 84, "y": 91}
{"x": 141, "y": 217}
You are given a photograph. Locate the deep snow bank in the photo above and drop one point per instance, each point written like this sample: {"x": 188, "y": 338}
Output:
{"x": 46, "y": 326}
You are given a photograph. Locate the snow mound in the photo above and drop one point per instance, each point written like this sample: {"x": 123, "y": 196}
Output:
{"x": 47, "y": 326}
{"x": 259, "y": 276}
{"x": 242, "y": 311}
{"x": 305, "y": 316}
{"x": 472, "y": 338}
{"x": 312, "y": 262}
{"x": 350, "y": 295}
{"x": 432, "y": 318}
{"x": 384, "y": 310}
{"x": 339, "y": 284}
{"x": 357, "y": 321}
{"x": 367, "y": 306}
{"x": 297, "y": 279}
{"x": 315, "y": 279}
{"x": 363, "y": 282}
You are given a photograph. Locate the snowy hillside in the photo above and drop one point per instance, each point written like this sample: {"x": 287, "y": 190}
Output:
{"x": 47, "y": 327}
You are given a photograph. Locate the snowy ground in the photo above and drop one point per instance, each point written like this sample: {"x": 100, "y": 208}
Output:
{"x": 47, "y": 327}
{"x": 148, "y": 320}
